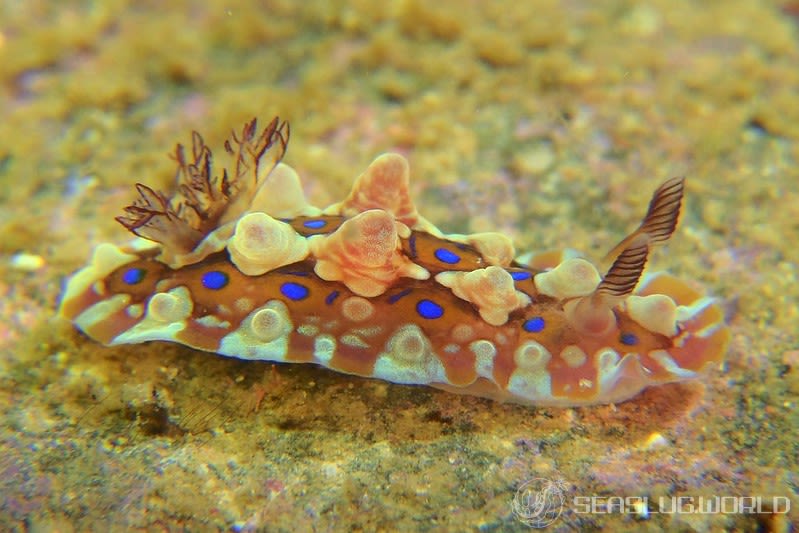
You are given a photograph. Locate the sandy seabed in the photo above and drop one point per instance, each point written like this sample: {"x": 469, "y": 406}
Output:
{"x": 549, "y": 121}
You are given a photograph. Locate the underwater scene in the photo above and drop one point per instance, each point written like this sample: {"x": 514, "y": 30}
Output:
{"x": 399, "y": 266}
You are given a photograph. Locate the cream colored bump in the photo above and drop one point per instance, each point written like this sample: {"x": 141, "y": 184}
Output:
{"x": 496, "y": 248}
{"x": 383, "y": 185}
{"x": 374, "y": 232}
{"x": 607, "y": 360}
{"x": 101, "y": 311}
{"x": 573, "y": 356}
{"x": 452, "y": 348}
{"x": 687, "y": 312}
{"x": 105, "y": 259}
{"x": 266, "y": 324}
{"x": 573, "y": 277}
{"x": 261, "y": 243}
{"x": 408, "y": 358}
{"x": 408, "y": 345}
{"x": 490, "y": 289}
{"x": 532, "y": 385}
{"x": 483, "y": 349}
{"x": 309, "y": 330}
{"x": 462, "y": 333}
{"x": 173, "y": 306}
{"x": 484, "y": 353}
{"x": 290, "y": 202}
{"x": 656, "y": 312}
{"x": 243, "y": 305}
{"x": 668, "y": 363}
{"x": 135, "y": 310}
{"x": 212, "y": 321}
{"x": 357, "y": 309}
{"x": 403, "y": 231}
{"x": 140, "y": 244}
{"x": 364, "y": 254}
{"x": 588, "y": 317}
{"x": 324, "y": 348}
{"x": 271, "y": 322}
{"x": 365, "y": 332}
{"x": 354, "y": 340}
{"x": 531, "y": 355}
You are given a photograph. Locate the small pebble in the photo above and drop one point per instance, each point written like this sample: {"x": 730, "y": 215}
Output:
{"x": 27, "y": 262}
{"x": 656, "y": 440}
{"x": 536, "y": 159}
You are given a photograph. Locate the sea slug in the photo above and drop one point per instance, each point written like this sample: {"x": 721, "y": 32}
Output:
{"x": 240, "y": 264}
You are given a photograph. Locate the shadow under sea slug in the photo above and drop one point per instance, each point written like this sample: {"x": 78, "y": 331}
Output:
{"x": 242, "y": 265}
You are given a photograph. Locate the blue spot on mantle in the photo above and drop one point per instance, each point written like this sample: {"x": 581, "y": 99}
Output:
{"x": 630, "y": 339}
{"x": 446, "y": 256}
{"x": 315, "y": 224}
{"x": 294, "y": 291}
{"x": 429, "y": 309}
{"x": 331, "y": 297}
{"x": 394, "y": 298}
{"x": 135, "y": 275}
{"x": 412, "y": 246}
{"x": 534, "y": 325}
{"x": 520, "y": 276}
{"x": 215, "y": 280}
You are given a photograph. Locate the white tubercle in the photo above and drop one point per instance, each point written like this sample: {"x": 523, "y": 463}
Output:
{"x": 572, "y": 278}
{"x": 290, "y": 202}
{"x": 173, "y": 306}
{"x": 496, "y": 248}
{"x": 490, "y": 289}
{"x": 260, "y": 244}
{"x": 106, "y": 259}
{"x": 262, "y": 336}
{"x": 656, "y": 312}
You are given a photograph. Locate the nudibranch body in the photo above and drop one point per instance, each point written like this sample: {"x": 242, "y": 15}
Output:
{"x": 242, "y": 265}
